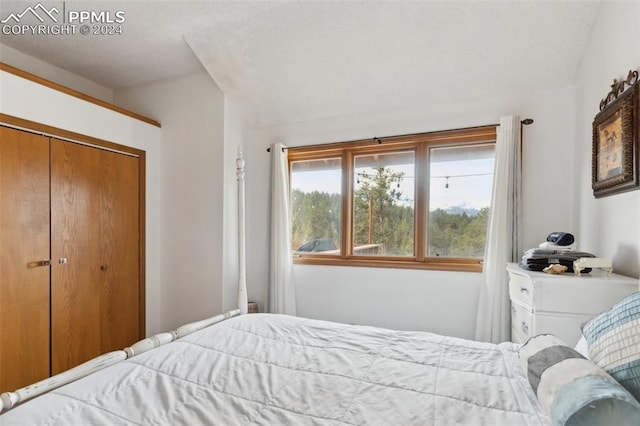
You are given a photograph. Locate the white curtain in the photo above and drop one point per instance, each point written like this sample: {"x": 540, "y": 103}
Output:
{"x": 493, "y": 320}
{"x": 282, "y": 298}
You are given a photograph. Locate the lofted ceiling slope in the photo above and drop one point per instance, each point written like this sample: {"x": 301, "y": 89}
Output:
{"x": 290, "y": 61}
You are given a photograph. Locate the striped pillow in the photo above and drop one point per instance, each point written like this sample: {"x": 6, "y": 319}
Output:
{"x": 613, "y": 340}
{"x": 571, "y": 388}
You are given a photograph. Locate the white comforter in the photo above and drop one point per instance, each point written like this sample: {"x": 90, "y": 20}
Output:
{"x": 280, "y": 370}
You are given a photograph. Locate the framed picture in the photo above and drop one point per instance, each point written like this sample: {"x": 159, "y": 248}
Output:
{"x": 616, "y": 136}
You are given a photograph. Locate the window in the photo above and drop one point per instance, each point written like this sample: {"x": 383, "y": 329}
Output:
{"x": 383, "y": 204}
{"x": 416, "y": 201}
{"x": 316, "y": 202}
{"x": 460, "y": 181}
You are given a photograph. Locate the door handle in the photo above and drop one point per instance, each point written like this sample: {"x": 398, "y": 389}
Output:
{"x": 46, "y": 262}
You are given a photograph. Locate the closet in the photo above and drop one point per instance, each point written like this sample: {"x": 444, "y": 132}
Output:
{"x": 71, "y": 281}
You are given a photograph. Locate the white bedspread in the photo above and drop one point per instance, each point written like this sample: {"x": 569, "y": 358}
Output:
{"x": 279, "y": 370}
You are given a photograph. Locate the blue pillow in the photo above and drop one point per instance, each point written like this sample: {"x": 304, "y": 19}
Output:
{"x": 572, "y": 389}
{"x": 613, "y": 341}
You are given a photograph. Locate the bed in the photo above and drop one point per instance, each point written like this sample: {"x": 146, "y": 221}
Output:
{"x": 280, "y": 370}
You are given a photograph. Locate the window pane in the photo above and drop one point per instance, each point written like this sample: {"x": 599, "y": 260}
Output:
{"x": 460, "y": 188}
{"x": 383, "y": 216}
{"x": 316, "y": 188}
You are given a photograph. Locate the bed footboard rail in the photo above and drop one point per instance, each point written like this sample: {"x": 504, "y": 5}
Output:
{"x": 11, "y": 399}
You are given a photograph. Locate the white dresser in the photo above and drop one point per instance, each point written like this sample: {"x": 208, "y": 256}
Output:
{"x": 560, "y": 304}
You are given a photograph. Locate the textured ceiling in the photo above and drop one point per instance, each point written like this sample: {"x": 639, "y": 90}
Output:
{"x": 292, "y": 61}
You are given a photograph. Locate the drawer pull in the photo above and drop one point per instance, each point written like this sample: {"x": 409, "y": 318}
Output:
{"x": 525, "y": 328}
{"x": 524, "y": 290}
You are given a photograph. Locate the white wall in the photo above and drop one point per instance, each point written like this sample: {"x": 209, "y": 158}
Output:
{"x": 190, "y": 109}
{"x": 443, "y": 302}
{"x": 22, "y": 98}
{"x": 14, "y": 57}
{"x": 609, "y": 226}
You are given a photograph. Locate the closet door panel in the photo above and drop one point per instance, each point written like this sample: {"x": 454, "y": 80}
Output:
{"x": 119, "y": 247}
{"x": 24, "y": 246}
{"x": 75, "y": 272}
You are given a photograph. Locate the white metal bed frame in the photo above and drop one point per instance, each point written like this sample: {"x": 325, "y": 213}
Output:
{"x": 11, "y": 399}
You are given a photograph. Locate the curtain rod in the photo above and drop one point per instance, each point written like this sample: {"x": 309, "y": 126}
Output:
{"x": 524, "y": 122}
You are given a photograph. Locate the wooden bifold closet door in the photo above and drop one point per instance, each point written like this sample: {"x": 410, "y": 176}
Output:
{"x": 94, "y": 249}
{"x": 70, "y": 281}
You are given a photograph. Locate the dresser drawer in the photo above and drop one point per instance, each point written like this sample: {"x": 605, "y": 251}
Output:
{"x": 585, "y": 295}
{"x": 521, "y": 323}
{"x": 588, "y": 294}
{"x": 521, "y": 288}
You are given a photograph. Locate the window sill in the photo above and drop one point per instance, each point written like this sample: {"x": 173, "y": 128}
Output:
{"x": 451, "y": 264}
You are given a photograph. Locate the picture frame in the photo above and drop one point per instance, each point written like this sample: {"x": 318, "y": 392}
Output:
{"x": 616, "y": 136}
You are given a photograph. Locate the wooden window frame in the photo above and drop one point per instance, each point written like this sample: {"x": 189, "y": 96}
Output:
{"x": 420, "y": 144}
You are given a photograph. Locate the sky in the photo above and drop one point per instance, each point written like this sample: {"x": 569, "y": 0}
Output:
{"x": 465, "y": 191}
